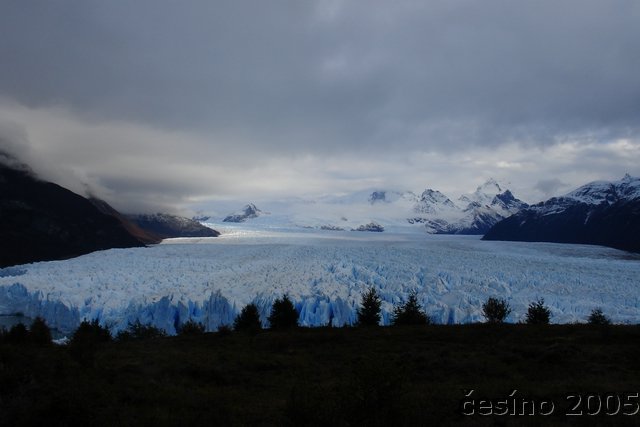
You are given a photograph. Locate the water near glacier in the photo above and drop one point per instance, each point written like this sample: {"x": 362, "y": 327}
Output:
{"x": 209, "y": 280}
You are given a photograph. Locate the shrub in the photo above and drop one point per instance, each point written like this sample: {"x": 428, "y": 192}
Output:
{"x": 538, "y": 313}
{"x": 597, "y": 317}
{"x": 85, "y": 340}
{"x": 248, "y": 319}
{"x": 18, "y": 334}
{"x": 91, "y": 332}
{"x": 283, "y": 314}
{"x": 191, "y": 328}
{"x": 369, "y": 310}
{"x": 138, "y": 331}
{"x": 495, "y": 310}
{"x": 224, "y": 330}
{"x": 39, "y": 333}
{"x": 410, "y": 313}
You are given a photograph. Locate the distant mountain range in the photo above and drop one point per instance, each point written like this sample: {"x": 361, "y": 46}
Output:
{"x": 599, "y": 213}
{"x": 42, "y": 221}
{"x": 473, "y": 213}
{"x": 430, "y": 211}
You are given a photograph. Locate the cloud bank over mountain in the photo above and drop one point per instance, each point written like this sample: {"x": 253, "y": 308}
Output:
{"x": 169, "y": 103}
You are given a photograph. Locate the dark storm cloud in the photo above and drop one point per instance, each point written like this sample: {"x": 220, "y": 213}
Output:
{"x": 243, "y": 83}
{"x": 290, "y": 74}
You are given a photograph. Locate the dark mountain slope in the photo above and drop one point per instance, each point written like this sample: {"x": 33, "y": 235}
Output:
{"x": 41, "y": 221}
{"x": 598, "y": 213}
{"x": 166, "y": 226}
{"x": 144, "y": 236}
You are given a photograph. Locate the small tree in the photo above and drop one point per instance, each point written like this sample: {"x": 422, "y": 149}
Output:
{"x": 91, "y": 332}
{"x": 410, "y": 313}
{"x": 283, "y": 314}
{"x": 248, "y": 319}
{"x": 85, "y": 340}
{"x": 597, "y": 317}
{"x": 191, "y": 327}
{"x": 496, "y": 310}
{"x": 369, "y": 310}
{"x": 139, "y": 331}
{"x": 40, "y": 334}
{"x": 538, "y": 313}
{"x": 18, "y": 334}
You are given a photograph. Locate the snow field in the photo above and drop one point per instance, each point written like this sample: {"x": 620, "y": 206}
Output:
{"x": 324, "y": 273}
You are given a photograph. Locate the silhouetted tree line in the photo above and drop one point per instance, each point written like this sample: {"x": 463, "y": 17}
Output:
{"x": 283, "y": 316}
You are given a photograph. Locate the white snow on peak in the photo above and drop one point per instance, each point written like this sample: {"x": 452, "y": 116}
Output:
{"x": 434, "y": 202}
{"x": 396, "y": 210}
{"x": 483, "y": 195}
{"x": 597, "y": 192}
{"x": 250, "y": 211}
{"x": 491, "y": 186}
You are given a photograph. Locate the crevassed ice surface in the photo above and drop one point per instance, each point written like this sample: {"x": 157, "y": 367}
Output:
{"x": 209, "y": 280}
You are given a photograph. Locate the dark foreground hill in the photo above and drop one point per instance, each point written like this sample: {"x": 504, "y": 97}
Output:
{"x": 333, "y": 377}
{"x": 41, "y": 221}
{"x": 599, "y": 213}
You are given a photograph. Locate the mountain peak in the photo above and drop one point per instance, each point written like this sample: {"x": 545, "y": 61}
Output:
{"x": 432, "y": 201}
{"x": 599, "y": 213}
{"x": 596, "y": 192}
{"x": 378, "y": 196}
{"x": 249, "y": 211}
{"x": 491, "y": 186}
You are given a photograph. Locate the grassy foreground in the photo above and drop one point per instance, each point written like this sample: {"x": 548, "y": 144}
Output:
{"x": 323, "y": 376}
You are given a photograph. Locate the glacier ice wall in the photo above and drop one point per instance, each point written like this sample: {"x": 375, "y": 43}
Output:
{"x": 325, "y": 274}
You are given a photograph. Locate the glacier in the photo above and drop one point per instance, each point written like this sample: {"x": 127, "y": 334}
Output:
{"x": 209, "y": 280}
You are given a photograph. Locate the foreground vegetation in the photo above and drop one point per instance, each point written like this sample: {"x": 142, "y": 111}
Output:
{"x": 412, "y": 375}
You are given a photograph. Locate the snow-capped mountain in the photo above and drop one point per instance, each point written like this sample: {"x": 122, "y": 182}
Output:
{"x": 431, "y": 211}
{"x": 248, "y": 212}
{"x": 601, "y": 212}
{"x": 483, "y": 195}
{"x": 433, "y": 202}
{"x": 597, "y": 192}
{"x": 474, "y": 213}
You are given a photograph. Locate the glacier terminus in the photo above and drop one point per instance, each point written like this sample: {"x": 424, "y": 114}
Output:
{"x": 209, "y": 280}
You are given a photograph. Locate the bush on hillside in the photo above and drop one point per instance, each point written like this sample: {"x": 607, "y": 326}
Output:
{"x": 369, "y": 310}
{"x": 39, "y": 333}
{"x": 86, "y": 339}
{"x": 139, "y": 331}
{"x": 496, "y": 310}
{"x": 17, "y": 334}
{"x": 597, "y": 317}
{"x": 191, "y": 328}
{"x": 283, "y": 314}
{"x": 410, "y": 313}
{"x": 248, "y": 319}
{"x": 538, "y": 313}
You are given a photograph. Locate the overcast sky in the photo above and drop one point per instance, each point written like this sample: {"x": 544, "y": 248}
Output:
{"x": 159, "y": 104}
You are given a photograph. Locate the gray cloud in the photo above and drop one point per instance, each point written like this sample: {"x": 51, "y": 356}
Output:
{"x": 239, "y": 84}
{"x": 549, "y": 187}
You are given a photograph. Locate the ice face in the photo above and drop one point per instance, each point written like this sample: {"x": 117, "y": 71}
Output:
{"x": 209, "y": 280}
